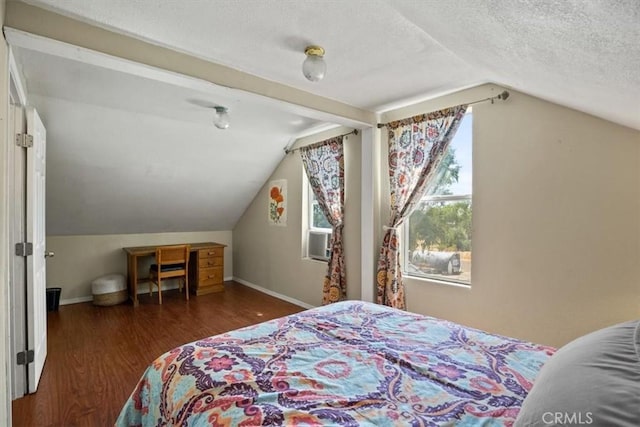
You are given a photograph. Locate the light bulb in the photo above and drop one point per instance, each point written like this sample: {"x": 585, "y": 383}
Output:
{"x": 314, "y": 67}
{"x": 221, "y": 118}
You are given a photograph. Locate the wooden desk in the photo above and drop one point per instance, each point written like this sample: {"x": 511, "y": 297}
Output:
{"x": 206, "y": 267}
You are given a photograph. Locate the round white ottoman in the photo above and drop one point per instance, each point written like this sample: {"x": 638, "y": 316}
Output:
{"x": 109, "y": 290}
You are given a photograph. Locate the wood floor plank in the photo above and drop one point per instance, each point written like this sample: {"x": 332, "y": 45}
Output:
{"x": 96, "y": 355}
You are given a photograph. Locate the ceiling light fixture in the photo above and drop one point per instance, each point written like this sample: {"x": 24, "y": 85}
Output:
{"x": 314, "y": 66}
{"x": 221, "y": 118}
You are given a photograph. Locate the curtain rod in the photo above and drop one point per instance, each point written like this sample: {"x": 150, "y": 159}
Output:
{"x": 501, "y": 96}
{"x": 291, "y": 150}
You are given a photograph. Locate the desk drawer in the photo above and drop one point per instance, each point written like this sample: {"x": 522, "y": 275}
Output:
{"x": 209, "y": 270}
{"x": 211, "y": 262}
{"x": 210, "y": 252}
{"x": 209, "y": 276}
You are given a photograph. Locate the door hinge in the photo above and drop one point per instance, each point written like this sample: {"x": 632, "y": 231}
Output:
{"x": 25, "y": 357}
{"x": 24, "y": 249}
{"x": 24, "y": 140}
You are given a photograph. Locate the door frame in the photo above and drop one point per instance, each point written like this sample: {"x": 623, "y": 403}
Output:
{"x": 17, "y": 264}
{"x": 16, "y": 313}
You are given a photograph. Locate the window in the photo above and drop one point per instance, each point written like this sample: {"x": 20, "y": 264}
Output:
{"x": 319, "y": 232}
{"x": 438, "y": 233}
{"x": 317, "y": 220}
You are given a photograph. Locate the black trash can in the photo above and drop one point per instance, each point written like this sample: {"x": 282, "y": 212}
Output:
{"x": 53, "y": 298}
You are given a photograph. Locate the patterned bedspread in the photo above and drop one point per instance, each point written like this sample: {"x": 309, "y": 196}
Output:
{"x": 349, "y": 363}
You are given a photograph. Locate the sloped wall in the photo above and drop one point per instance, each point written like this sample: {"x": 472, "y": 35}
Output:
{"x": 270, "y": 257}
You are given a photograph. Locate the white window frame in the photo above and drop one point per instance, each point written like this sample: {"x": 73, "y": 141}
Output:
{"x": 308, "y": 227}
{"x": 310, "y": 202}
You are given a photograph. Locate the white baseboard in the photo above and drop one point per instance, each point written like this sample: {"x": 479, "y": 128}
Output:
{"x": 168, "y": 287}
{"x": 144, "y": 290}
{"x": 76, "y": 300}
{"x": 273, "y": 293}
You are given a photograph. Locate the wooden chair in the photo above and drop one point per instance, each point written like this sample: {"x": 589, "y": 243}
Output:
{"x": 171, "y": 262}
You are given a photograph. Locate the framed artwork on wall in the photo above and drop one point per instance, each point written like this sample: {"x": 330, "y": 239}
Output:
{"x": 278, "y": 202}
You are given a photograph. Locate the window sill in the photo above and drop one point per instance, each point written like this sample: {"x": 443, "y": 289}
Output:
{"x": 435, "y": 281}
{"x": 319, "y": 261}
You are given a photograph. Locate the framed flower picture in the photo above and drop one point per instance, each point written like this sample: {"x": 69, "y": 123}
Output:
{"x": 278, "y": 202}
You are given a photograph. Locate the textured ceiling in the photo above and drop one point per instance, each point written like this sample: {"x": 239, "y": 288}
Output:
{"x": 583, "y": 54}
{"x": 122, "y": 145}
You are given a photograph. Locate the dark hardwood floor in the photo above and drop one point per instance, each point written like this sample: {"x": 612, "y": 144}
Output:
{"x": 97, "y": 354}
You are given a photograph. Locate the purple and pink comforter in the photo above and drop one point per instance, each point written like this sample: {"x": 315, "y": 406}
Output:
{"x": 349, "y": 363}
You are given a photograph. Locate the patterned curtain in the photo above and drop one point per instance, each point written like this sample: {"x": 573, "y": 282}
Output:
{"x": 324, "y": 164}
{"x": 416, "y": 146}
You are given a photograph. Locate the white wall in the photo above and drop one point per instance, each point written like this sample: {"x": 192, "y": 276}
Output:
{"x": 80, "y": 259}
{"x": 556, "y": 222}
{"x": 271, "y": 256}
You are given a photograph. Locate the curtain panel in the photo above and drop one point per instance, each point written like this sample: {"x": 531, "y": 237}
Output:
{"x": 324, "y": 165}
{"x": 416, "y": 147}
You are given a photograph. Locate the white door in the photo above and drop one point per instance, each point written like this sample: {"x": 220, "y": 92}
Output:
{"x": 36, "y": 266}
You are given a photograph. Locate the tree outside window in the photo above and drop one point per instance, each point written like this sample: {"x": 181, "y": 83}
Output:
{"x": 318, "y": 219}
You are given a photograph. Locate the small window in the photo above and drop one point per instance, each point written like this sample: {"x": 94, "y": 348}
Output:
{"x": 319, "y": 231}
{"x": 317, "y": 219}
{"x": 438, "y": 233}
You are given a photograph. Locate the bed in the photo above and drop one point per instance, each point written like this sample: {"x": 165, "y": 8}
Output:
{"x": 349, "y": 363}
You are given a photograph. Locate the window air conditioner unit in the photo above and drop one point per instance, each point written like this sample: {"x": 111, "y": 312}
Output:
{"x": 319, "y": 242}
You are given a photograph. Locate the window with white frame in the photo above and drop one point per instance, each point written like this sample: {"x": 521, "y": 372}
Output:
{"x": 319, "y": 230}
{"x": 437, "y": 235}
{"x": 317, "y": 220}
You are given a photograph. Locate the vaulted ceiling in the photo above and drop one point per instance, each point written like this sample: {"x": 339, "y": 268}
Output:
{"x": 380, "y": 54}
